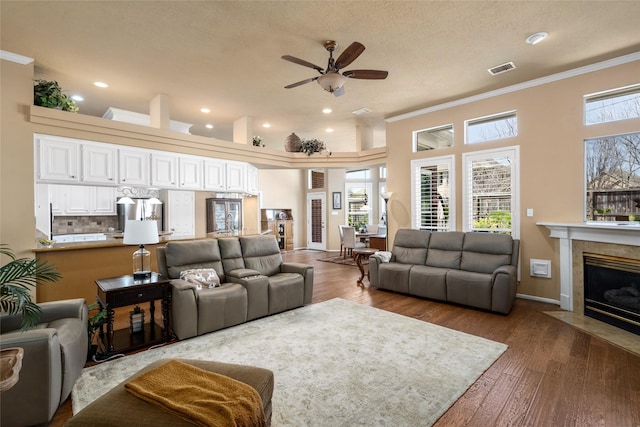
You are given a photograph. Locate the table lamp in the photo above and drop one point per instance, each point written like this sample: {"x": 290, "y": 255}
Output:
{"x": 140, "y": 232}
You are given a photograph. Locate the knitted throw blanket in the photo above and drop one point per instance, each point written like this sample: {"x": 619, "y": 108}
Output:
{"x": 201, "y": 397}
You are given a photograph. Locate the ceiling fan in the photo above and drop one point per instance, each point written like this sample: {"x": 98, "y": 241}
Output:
{"x": 330, "y": 78}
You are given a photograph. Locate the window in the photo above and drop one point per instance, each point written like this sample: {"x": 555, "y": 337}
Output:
{"x": 612, "y": 178}
{"x": 431, "y": 139}
{"x": 498, "y": 126}
{"x": 490, "y": 188}
{"x": 432, "y": 197}
{"x": 316, "y": 179}
{"x": 357, "y": 198}
{"x": 617, "y": 104}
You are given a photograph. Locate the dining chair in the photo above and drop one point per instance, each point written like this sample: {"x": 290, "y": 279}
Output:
{"x": 349, "y": 240}
{"x": 341, "y": 238}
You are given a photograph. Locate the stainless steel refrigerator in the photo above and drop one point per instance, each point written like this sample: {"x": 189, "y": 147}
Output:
{"x": 140, "y": 209}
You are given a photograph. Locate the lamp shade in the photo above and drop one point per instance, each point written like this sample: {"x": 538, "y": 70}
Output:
{"x": 138, "y": 232}
{"x": 387, "y": 195}
{"x": 331, "y": 81}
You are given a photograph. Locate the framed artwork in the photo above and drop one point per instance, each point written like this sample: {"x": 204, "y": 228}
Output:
{"x": 337, "y": 200}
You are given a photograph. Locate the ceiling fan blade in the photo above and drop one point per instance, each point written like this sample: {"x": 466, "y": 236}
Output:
{"x": 366, "y": 74}
{"x": 300, "y": 83}
{"x": 349, "y": 55}
{"x": 302, "y": 62}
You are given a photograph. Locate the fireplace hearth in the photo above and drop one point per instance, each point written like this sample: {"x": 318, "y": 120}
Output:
{"x": 612, "y": 290}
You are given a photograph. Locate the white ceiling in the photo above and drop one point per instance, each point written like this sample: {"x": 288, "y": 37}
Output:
{"x": 225, "y": 55}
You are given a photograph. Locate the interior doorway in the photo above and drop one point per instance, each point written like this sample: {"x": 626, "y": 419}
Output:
{"x": 316, "y": 220}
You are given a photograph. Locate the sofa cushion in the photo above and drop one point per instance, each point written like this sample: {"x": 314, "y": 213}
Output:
{"x": 469, "y": 288}
{"x": 428, "y": 282}
{"x": 261, "y": 253}
{"x": 221, "y": 307}
{"x": 286, "y": 291}
{"x": 394, "y": 276}
{"x": 410, "y": 246}
{"x": 445, "y": 249}
{"x": 204, "y": 253}
{"x": 231, "y": 253}
{"x": 484, "y": 252}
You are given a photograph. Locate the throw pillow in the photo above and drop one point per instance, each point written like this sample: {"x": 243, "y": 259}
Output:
{"x": 200, "y": 277}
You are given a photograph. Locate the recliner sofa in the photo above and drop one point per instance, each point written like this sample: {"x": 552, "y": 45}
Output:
{"x": 255, "y": 282}
{"x": 473, "y": 269}
{"x": 55, "y": 353}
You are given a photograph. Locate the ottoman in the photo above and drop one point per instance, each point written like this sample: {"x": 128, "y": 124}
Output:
{"x": 118, "y": 407}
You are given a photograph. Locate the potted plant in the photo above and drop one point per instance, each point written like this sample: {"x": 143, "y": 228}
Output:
{"x": 16, "y": 277}
{"x": 49, "y": 94}
{"x": 97, "y": 317}
{"x": 310, "y": 146}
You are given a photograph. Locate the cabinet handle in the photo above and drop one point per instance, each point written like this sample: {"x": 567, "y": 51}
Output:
{"x": 139, "y": 295}
{"x": 123, "y": 180}
{"x": 73, "y": 176}
{"x": 110, "y": 179}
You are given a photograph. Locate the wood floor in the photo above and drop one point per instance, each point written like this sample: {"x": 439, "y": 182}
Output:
{"x": 552, "y": 374}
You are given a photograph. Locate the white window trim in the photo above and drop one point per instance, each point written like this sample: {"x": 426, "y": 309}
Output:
{"x": 416, "y": 165}
{"x": 435, "y": 128}
{"x": 514, "y": 153}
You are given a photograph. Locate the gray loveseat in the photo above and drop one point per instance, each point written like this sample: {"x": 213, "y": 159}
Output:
{"x": 255, "y": 282}
{"x": 473, "y": 269}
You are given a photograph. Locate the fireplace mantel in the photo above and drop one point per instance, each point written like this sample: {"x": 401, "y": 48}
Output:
{"x": 616, "y": 233}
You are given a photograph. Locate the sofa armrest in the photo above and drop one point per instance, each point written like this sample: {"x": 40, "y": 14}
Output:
{"x": 64, "y": 309}
{"x": 306, "y": 271}
{"x": 40, "y": 378}
{"x": 184, "y": 309}
{"x": 374, "y": 263}
{"x": 240, "y": 273}
{"x": 504, "y": 280}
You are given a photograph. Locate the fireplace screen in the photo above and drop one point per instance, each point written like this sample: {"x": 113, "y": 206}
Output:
{"x": 612, "y": 290}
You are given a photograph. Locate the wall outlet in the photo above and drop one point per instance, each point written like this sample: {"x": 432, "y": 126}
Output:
{"x": 540, "y": 268}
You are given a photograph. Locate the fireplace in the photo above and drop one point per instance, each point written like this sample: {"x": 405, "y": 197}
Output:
{"x": 612, "y": 290}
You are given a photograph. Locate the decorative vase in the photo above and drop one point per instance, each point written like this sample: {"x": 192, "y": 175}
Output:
{"x": 292, "y": 143}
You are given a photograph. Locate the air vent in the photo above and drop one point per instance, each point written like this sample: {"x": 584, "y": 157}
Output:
{"x": 499, "y": 69}
{"x": 361, "y": 112}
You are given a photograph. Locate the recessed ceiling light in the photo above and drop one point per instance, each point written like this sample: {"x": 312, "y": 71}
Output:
{"x": 329, "y": 130}
{"x": 326, "y": 110}
{"x": 266, "y": 125}
{"x": 536, "y": 38}
{"x": 209, "y": 126}
{"x": 77, "y": 98}
{"x": 205, "y": 110}
{"x": 101, "y": 84}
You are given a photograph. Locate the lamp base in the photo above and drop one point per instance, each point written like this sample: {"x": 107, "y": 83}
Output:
{"x": 142, "y": 275}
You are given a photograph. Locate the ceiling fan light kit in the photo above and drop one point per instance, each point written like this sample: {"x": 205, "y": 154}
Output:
{"x": 331, "y": 79}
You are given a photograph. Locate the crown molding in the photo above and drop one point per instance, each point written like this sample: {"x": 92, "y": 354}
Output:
{"x": 520, "y": 86}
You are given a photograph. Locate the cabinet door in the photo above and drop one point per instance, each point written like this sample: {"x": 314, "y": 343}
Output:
{"x": 56, "y": 198}
{"x": 252, "y": 179}
{"x": 103, "y": 201}
{"x": 236, "y": 176}
{"x": 164, "y": 170}
{"x": 77, "y": 200}
{"x": 133, "y": 167}
{"x": 190, "y": 173}
{"x": 214, "y": 175}
{"x": 98, "y": 164}
{"x": 181, "y": 213}
{"x": 58, "y": 159}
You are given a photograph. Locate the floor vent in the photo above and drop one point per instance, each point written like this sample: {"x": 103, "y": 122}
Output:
{"x": 499, "y": 69}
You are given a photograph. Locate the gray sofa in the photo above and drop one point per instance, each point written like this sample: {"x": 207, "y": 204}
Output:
{"x": 55, "y": 352}
{"x": 255, "y": 282}
{"x": 473, "y": 269}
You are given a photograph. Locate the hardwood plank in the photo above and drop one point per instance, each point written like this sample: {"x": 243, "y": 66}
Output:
{"x": 551, "y": 375}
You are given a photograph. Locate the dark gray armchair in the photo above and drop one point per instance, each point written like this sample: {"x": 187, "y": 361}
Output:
{"x": 54, "y": 354}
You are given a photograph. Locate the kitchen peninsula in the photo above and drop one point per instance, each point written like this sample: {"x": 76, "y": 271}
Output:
{"x": 81, "y": 263}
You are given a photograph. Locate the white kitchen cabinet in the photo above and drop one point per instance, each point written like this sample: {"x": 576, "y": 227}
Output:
{"x": 103, "y": 201}
{"x": 181, "y": 213}
{"x": 164, "y": 170}
{"x": 133, "y": 167}
{"x": 252, "y": 179}
{"x": 98, "y": 164}
{"x": 56, "y": 198}
{"x": 58, "y": 159}
{"x": 190, "y": 173}
{"x": 236, "y": 176}
{"x": 215, "y": 178}
{"x": 77, "y": 200}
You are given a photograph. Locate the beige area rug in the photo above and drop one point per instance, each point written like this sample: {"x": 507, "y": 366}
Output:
{"x": 336, "y": 363}
{"x": 344, "y": 261}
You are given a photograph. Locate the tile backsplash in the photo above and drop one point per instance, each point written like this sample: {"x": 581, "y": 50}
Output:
{"x": 83, "y": 224}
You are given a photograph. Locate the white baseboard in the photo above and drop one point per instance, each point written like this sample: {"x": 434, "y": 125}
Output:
{"x": 539, "y": 299}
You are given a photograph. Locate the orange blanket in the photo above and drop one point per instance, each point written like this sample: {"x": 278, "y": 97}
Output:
{"x": 198, "y": 396}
